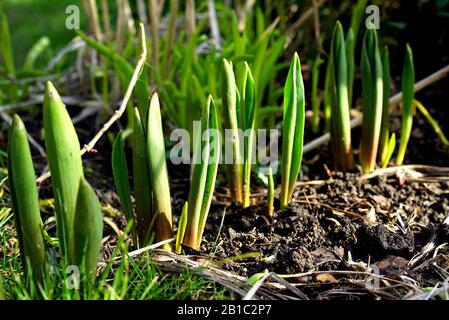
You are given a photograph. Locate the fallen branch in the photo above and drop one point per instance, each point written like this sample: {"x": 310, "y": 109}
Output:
{"x": 119, "y": 112}
{"x": 434, "y": 77}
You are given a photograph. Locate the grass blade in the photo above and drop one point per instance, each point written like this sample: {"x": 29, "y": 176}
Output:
{"x": 435, "y": 126}
{"x": 270, "y": 195}
{"x": 315, "y": 98}
{"x": 385, "y": 127}
{"x": 350, "y": 48}
{"x": 249, "y": 110}
{"x": 408, "y": 82}
{"x": 120, "y": 172}
{"x": 142, "y": 180}
{"x": 390, "y": 151}
{"x": 182, "y": 224}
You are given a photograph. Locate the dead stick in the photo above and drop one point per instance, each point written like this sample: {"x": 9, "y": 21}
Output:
{"x": 434, "y": 77}
{"x": 118, "y": 113}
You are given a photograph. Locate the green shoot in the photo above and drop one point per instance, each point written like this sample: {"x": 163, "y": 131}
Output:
{"x": 435, "y": 126}
{"x": 390, "y": 151}
{"x": 315, "y": 98}
{"x": 270, "y": 195}
{"x": 25, "y": 202}
{"x": 293, "y": 130}
{"x": 372, "y": 89}
{"x": 158, "y": 173}
{"x": 88, "y": 231}
{"x": 64, "y": 159}
{"x": 408, "y": 82}
{"x": 385, "y": 127}
{"x": 182, "y": 224}
{"x": 231, "y": 127}
{"x": 120, "y": 173}
{"x": 338, "y": 94}
{"x": 350, "y": 51}
{"x": 142, "y": 180}
{"x": 249, "y": 115}
{"x": 203, "y": 177}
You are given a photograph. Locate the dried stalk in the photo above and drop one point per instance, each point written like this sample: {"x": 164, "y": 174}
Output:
{"x": 293, "y": 30}
{"x": 174, "y": 4}
{"x": 154, "y": 32}
{"x": 190, "y": 18}
{"x": 106, "y": 19}
{"x": 92, "y": 17}
{"x": 213, "y": 21}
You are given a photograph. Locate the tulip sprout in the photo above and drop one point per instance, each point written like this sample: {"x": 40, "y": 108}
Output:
{"x": 293, "y": 130}
{"x": 408, "y": 82}
{"x": 384, "y": 141}
{"x": 203, "y": 179}
{"x": 79, "y": 220}
{"x": 64, "y": 159}
{"x": 231, "y": 105}
{"x": 151, "y": 186}
{"x": 372, "y": 87}
{"x": 338, "y": 94}
{"x": 22, "y": 181}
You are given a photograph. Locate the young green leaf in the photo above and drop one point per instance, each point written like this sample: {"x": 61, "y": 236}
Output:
{"x": 372, "y": 89}
{"x": 203, "y": 177}
{"x": 182, "y": 224}
{"x": 38, "y": 48}
{"x": 6, "y": 45}
{"x": 338, "y": 86}
{"x": 385, "y": 127}
{"x": 358, "y": 11}
{"x": 142, "y": 180}
{"x": 120, "y": 173}
{"x": 64, "y": 159}
{"x": 88, "y": 231}
{"x": 315, "y": 99}
{"x": 158, "y": 173}
{"x": 391, "y": 148}
{"x": 22, "y": 181}
{"x": 435, "y": 126}
{"x": 249, "y": 111}
{"x": 231, "y": 127}
{"x": 408, "y": 82}
{"x": 293, "y": 130}
{"x": 270, "y": 194}
{"x": 350, "y": 48}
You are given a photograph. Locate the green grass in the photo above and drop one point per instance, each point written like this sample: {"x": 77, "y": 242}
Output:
{"x": 31, "y": 19}
{"x": 128, "y": 279}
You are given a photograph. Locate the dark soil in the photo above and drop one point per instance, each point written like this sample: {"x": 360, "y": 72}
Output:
{"x": 329, "y": 223}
